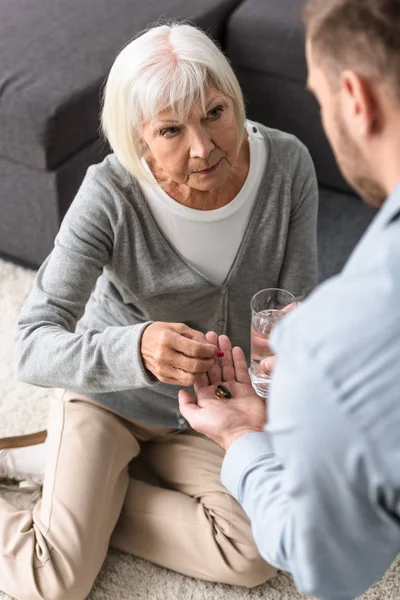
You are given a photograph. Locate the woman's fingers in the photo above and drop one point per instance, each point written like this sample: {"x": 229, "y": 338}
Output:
{"x": 170, "y": 347}
{"x": 175, "y": 376}
{"x": 192, "y": 357}
{"x": 179, "y": 355}
{"x": 240, "y": 365}
{"x": 191, "y": 365}
{"x": 201, "y": 381}
{"x": 193, "y": 348}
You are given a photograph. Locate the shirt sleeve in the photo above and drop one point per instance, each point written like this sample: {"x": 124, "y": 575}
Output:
{"x": 48, "y": 350}
{"x": 299, "y": 271}
{"x": 311, "y": 489}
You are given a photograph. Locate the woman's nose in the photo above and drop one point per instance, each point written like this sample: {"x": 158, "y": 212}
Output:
{"x": 201, "y": 145}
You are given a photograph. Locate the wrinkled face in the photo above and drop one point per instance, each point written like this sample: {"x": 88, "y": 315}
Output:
{"x": 200, "y": 152}
{"x": 348, "y": 151}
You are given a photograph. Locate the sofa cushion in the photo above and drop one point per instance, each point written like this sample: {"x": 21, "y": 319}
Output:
{"x": 268, "y": 36}
{"x": 54, "y": 57}
{"x": 266, "y": 45}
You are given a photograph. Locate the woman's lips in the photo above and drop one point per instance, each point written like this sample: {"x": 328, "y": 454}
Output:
{"x": 210, "y": 170}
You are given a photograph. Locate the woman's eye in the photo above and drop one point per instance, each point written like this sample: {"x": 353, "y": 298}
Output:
{"x": 169, "y": 131}
{"x": 215, "y": 112}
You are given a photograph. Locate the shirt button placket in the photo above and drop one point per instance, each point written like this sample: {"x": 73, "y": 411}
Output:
{"x": 221, "y": 326}
{"x": 182, "y": 422}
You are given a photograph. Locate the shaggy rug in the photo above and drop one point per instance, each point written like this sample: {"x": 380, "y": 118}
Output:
{"x": 23, "y": 408}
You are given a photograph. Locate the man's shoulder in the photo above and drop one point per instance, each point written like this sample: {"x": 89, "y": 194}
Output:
{"x": 348, "y": 325}
{"x": 348, "y": 330}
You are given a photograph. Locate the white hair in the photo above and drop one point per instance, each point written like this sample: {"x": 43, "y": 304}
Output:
{"x": 167, "y": 67}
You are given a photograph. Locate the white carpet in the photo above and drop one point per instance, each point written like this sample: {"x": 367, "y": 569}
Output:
{"x": 23, "y": 409}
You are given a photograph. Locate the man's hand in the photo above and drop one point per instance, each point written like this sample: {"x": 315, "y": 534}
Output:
{"x": 224, "y": 420}
{"x": 268, "y": 364}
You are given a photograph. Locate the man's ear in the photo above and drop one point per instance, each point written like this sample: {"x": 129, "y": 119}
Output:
{"x": 360, "y": 104}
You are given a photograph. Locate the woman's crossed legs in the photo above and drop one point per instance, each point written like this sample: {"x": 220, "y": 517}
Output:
{"x": 192, "y": 525}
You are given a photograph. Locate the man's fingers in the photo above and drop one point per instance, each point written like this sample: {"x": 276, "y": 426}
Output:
{"x": 290, "y": 306}
{"x": 268, "y": 364}
{"x": 228, "y": 371}
{"x": 240, "y": 365}
{"x": 214, "y": 374}
{"x": 212, "y": 338}
{"x": 187, "y": 405}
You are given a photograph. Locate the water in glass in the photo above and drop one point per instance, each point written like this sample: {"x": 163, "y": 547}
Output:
{"x": 261, "y": 326}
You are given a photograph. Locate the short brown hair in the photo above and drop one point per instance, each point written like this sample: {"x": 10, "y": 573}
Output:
{"x": 361, "y": 35}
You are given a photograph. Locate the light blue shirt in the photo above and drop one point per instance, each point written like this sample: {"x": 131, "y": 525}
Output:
{"x": 322, "y": 485}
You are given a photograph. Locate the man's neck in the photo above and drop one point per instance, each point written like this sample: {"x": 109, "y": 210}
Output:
{"x": 389, "y": 156}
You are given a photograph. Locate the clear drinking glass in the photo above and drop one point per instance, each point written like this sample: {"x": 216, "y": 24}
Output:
{"x": 268, "y": 307}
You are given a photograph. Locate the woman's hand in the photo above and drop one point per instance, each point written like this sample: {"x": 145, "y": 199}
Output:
{"x": 224, "y": 420}
{"x": 175, "y": 353}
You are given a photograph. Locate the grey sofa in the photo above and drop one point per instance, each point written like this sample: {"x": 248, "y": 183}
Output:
{"x": 54, "y": 58}
{"x": 265, "y": 43}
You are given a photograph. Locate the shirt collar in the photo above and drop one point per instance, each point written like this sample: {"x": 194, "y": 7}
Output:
{"x": 391, "y": 207}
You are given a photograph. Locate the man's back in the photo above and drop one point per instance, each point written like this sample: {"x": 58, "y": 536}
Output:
{"x": 322, "y": 486}
{"x": 350, "y": 327}
{"x": 340, "y": 408}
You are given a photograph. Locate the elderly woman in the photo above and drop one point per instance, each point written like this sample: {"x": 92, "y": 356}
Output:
{"x": 167, "y": 238}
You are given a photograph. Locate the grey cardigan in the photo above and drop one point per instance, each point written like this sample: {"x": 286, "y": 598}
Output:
{"x": 112, "y": 272}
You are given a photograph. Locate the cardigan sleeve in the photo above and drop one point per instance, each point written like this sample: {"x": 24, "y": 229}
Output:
{"x": 299, "y": 270}
{"x": 48, "y": 350}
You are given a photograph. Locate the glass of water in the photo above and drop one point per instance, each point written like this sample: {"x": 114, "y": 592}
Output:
{"x": 268, "y": 307}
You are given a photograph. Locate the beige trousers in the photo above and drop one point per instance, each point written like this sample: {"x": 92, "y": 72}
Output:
{"x": 191, "y": 525}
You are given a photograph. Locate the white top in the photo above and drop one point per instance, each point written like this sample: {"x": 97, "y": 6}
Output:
{"x": 209, "y": 239}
